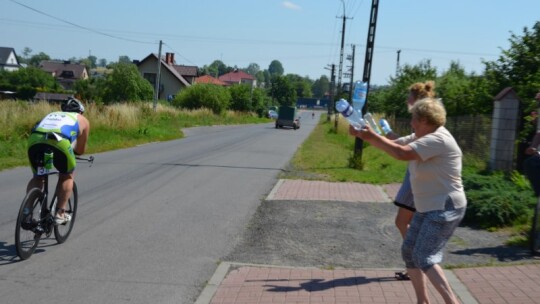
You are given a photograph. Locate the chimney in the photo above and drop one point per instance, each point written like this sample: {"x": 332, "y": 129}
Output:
{"x": 169, "y": 58}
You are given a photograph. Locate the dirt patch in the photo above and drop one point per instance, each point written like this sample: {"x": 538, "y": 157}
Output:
{"x": 353, "y": 235}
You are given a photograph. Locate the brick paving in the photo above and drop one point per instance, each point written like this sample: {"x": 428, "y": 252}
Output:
{"x": 264, "y": 284}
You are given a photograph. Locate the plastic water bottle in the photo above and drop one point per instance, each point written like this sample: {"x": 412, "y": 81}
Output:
{"x": 369, "y": 118}
{"x": 359, "y": 95}
{"x": 385, "y": 126}
{"x": 354, "y": 118}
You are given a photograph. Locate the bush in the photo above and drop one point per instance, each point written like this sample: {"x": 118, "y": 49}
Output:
{"x": 210, "y": 96}
{"x": 495, "y": 201}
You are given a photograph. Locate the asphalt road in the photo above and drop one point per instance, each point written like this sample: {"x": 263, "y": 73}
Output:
{"x": 153, "y": 221}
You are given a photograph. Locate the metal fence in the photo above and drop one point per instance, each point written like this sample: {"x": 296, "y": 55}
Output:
{"x": 472, "y": 132}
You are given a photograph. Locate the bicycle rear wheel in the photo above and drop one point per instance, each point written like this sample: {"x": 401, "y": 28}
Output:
{"x": 62, "y": 232}
{"x": 535, "y": 230}
{"x": 26, "y": 238}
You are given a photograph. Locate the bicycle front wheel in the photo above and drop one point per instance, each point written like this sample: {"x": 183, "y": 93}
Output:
{"x": 535, "y": 229}
{"x": 62, "y": 232}
{"x": 27, "y": 233}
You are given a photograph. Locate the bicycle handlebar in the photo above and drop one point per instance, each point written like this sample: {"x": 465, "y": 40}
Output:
{"x": 89, "y": 159}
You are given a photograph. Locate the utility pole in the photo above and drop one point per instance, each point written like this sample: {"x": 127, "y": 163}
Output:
{"x": 331, "y": 92}
{"x": 351, "y": 80}
{"x": 342, "y": 46}
{"x": 397, "y": 62}
{"x": 367, "y": 67}
{"x": 158, "y": 77}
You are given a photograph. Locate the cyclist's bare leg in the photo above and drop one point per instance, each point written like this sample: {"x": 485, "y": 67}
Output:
{"x": 403, "y": 218}
{"x": 35, "y": 182}
{"x": 64, "y": 188}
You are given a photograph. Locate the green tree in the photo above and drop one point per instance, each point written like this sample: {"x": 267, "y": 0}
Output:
{"x": 275, "y": 68}
{"x": 252, "y": 69}
{"x": 35, "y": 60}
{"x": 283, "y": 91}
{"x": 453, "y": 87}
{"x": 33, "y": 77}
{"x": 391, "y": 99}
{"x": 240, "y": 97}
{"x": 519, "y": 66}
{"x": 102, "y": 62}
{"x": 209, "y": 96}
{"x": 125, "y": 84}
{"x": 302, "y": 85}
{"x": 124, "y": 59}
{"x": 321, "y": 87}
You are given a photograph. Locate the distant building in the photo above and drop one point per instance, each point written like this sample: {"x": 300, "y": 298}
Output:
{"x": 8, "y": 59}
{"x": 209, "y": 79}
{"x": 238, "y": 77}
{"x": 65, "y": 72}
{"x": 173, "y": 77}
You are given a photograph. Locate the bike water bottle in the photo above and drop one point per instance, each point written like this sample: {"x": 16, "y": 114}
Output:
{"x": 385, "y": 126}
{"x": 359, "y": 95}
{"x": 48, "y": 161}
{"x": 354, "y": 118}
{"x": 369, "y": 118}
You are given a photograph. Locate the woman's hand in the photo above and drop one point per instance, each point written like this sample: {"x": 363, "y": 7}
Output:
{"x": 366, "y": 133}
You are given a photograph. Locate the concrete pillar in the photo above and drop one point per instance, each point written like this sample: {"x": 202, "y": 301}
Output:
{"x": 504, "y": 130}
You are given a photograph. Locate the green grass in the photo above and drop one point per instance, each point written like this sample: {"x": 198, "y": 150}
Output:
{"x": 112, "y": 127}
{"x": 326, "y": 154}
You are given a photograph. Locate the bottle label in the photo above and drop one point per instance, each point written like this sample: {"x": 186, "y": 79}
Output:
{"x": 348, "y": 111}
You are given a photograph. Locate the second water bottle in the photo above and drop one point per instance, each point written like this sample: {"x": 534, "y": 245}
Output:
{"x": 354, "y": 118}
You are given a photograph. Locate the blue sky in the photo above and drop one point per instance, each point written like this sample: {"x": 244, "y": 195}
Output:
{"x": 304, "y": 35}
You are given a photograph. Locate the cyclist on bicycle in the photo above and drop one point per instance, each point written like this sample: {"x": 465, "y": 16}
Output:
{"x": 64, "y": 133}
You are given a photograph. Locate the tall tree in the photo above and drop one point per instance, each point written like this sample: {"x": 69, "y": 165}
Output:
{"x": 252, "y": 69}
{"x": 321, "y": 87}
{"x": 125, "y": 84}
{"x": 35, "y": 60}
{"x": 283, "y": 91}
{"x": 518, "y": 66}
{"x": 275, "y": 68}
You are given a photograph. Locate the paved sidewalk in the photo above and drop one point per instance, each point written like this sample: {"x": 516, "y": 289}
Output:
{"x": 264, "y": 284}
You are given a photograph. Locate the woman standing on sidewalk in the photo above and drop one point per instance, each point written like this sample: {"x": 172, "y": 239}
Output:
{"x": 435, "y": 169}
{"x": 404, "y": 198}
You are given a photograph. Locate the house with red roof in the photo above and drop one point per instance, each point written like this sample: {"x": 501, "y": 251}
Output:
{"x": 209, "y": 79}
{"x": 238, "y": 77}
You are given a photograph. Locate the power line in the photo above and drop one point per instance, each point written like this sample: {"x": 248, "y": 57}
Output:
{"x": 79, "y": 26}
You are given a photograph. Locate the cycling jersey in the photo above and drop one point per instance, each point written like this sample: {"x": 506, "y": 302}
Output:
{"x": 57, "y": 132}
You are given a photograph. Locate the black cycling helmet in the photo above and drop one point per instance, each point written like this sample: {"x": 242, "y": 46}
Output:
{"x": 72, "y": 105}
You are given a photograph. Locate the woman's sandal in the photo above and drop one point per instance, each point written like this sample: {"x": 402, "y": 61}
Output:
{"x": 402, "y": 276}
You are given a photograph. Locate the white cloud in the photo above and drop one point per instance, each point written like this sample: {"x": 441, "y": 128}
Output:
{"x": 290, "y": 5}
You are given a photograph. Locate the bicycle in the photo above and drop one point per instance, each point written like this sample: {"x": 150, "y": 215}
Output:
{"x": 36, "y": 214}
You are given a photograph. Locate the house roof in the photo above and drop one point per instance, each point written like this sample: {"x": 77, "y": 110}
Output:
{"x": 4, "y": 54}
{"x": 169, "y": 67}
{"x": 236, "y": 76}
{"x": 58, "y": 67}
{"x": 186, "y": 70}
{"x": 209, "y": 79}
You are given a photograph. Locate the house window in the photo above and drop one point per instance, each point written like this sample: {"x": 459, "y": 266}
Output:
{"x": 151, "y": 77}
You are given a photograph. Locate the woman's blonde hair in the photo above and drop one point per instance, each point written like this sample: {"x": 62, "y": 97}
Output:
{"x": 422, "y": 90}
{"x": 430, "y": 109}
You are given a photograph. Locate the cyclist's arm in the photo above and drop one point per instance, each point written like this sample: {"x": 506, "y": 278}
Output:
{"x": 84, "y": 127}
{"x": 534, "y": 144}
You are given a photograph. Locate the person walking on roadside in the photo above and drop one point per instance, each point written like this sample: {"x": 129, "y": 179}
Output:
{"x": 65, "y": 133}
{"x": 435, "y": 174}
{"x": 404, "y": 199}
{"x": 531, "y": 165}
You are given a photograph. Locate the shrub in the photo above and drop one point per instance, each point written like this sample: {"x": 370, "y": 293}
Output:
{"x": 495, "y": 201}
{"x": 210, "y": 96}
